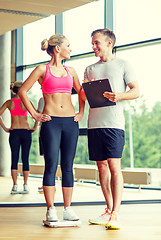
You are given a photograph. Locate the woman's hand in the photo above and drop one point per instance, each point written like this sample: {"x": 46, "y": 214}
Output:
{"x": 7, "y": 130}
{"x": 78, "y": 117}
{"x": 41, "y": 117}
{"x": 32, "y": 129}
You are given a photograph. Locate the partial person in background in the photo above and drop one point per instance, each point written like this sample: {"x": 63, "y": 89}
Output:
{"x": 106, "y": 125}
{"x": 41, "y": 150}
{"x": 20, "y": 136}
{"x": 59, "y": 130}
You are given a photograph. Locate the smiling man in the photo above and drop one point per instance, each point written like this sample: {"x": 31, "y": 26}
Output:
{"x": 106, "y": 124}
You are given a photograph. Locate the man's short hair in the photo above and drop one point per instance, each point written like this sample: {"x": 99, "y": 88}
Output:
{"x": 105, "y": 32}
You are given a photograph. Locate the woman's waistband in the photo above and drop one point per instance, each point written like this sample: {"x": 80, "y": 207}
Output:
{"x": 62, "y": 119}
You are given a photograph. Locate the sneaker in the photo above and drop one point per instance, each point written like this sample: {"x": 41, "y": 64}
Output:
{"x": 25, "y": 188}
{"x": 114, "y": 221}
{"x": 40, "y": 190}
{"x": 101, "y": 220}
{"x": 14, "y": 189}
{"x": 51, "y": 215}
{"x": 69, "y": 214}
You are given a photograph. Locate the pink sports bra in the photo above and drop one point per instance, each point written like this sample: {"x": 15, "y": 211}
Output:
{"x": 52, "y": 84}
{"x": 18, "y": 111}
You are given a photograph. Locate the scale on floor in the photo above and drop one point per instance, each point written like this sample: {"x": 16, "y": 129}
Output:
{"x": 62, "y": 223}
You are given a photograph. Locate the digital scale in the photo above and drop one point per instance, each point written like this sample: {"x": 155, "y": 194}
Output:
{"x": 62, "y": 223}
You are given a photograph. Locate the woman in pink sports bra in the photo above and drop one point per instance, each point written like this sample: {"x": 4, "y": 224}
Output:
{"x": 59, "y": 130}
{"x": 20, "y": 136}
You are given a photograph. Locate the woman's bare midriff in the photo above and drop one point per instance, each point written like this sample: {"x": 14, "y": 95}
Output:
{"x": 58, "y": 104}
{"x": 19, "y": 122}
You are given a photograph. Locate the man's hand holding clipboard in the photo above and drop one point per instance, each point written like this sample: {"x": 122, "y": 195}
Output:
{"x": 111, "y": 96}
{"x": 97, "y": 93}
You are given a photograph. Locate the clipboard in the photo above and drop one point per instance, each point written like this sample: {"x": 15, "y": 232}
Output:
{"x": 94, "y": 92}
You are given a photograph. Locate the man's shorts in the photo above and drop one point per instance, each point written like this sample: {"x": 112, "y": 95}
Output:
{"x": 105, "y": 143}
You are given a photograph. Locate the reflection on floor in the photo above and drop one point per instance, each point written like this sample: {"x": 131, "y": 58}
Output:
{"x": 82, "y": 192}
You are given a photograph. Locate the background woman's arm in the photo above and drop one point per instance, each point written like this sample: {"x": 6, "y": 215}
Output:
{"x": 2, "y": 109}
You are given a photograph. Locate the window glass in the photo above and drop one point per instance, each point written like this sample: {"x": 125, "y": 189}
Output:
{"x": 33, "y": 34}
{"x": 82, "y": 156}
{"x": 146, "y": 64}
{"x": 80, "y": 64}
{"x": 80, "y": 22}
{"x": 143, "y": 115}
{"x": 35, "y": 92}
{"x": 34, "y": 95}
{"x": 83, "y": 123}
{"x": 137, "y": 20}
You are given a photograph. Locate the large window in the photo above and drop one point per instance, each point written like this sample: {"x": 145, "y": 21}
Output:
{"x": 135, "y": 23}
{"x": 146, "y": 63}
{"x": 145, "y": 112}
{"x": 137, "y": 20}
{"x": 80, "y": 64}
{"x": 80, "y": 22}
{"x": 33, "y": 34}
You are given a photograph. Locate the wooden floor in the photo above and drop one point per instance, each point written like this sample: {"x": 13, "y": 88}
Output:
{"x": 142, "y": 222}
{"x": 138, "y": 221}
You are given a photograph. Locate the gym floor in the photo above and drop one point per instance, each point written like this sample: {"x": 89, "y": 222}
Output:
{"x": 138, "y": 221}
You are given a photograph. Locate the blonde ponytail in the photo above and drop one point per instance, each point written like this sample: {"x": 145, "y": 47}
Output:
{"x": 49, "y": 45}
